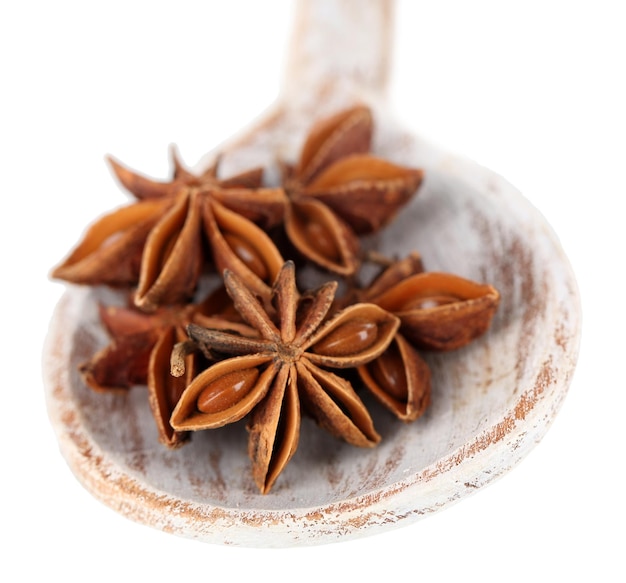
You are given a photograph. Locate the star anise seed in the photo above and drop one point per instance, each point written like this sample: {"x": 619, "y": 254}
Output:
{"x": 400, "y": 379}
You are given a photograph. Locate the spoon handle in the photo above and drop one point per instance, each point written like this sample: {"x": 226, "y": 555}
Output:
{"x": 339, "y": 46}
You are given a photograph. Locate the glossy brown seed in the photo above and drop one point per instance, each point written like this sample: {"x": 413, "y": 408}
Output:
{"x": 246, "y": 252}
{"x": 227, "y": 390}
{"x": 400, "y": 380}
{"x": 238, "y": 245}
{"x": 388, "y": 372}
{"x": 321, "y": 240}
{"x": 318, "y": 236}
{"x": 321, "y": 236}
{"x": 353, "y": 337}
{"x": 371, "y": 343}
{"x": 432, "y": 301}
{"x": 186, "y": 416}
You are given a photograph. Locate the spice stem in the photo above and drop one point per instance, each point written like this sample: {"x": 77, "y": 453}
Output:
{"x": 378, "y": 258}
{"x": 177, "y": 358}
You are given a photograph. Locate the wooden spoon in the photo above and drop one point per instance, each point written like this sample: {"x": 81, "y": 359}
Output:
{"x": 493, "y": 401}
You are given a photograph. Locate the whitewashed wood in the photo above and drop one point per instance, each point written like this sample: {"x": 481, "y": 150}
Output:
{"x": 492, "y": 402}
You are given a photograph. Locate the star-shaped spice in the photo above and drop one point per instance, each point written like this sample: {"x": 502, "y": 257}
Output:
{"x": 437, "y": 311}
{"x": 338, "y": 191}
{"x": 158, "y": 242}
{"x": 283, "y": 368}
{"x": 139, "y": 354}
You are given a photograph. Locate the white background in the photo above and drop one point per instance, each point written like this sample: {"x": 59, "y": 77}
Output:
{"x": 533, "y": 90}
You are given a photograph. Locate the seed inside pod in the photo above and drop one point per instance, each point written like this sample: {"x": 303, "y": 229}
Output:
{"x": 427, "y": 302}
{"x": 321, "y": 240}
{"x": 227, "y": 390}
{"x": 248, "y": 254}
{"x": 353, "y": 337}
{"x": 388, "y": 372}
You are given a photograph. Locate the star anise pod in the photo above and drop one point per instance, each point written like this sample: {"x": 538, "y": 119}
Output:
{"x": 139, "y": 354}
{"x": 337, "y": 191}
{"x": 283, "y": 368}
{"x": 438, "y": 311}
{"x": 157, "y": 242}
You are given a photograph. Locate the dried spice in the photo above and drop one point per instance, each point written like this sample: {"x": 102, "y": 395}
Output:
{"x": 338, "y": 191}
{"x": 283, "y": 368}
{"x": 157, "y": 242}
{"x": 440, "y": 311}
{"x": 437, "y": 311}
{"x": 400, "y": 379}
{"x": 256, "y": 349}
{"x": 139, "y": 354}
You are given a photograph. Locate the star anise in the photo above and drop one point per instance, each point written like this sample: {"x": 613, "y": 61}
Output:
{"x": 157, "y": 242}
{"x": 139, "y": 354}
{"x": 257, "y": 348}
{"x": 338, "y": 191}
{"x": 282, "y": 368}
{"x": 437, "y": 311}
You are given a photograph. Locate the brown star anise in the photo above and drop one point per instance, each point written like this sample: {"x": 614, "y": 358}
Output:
{"x": 338, "y": 191}
{"x": 437, "y": 311}
{"x": 256, "y": 348}
{"x": 272, "y": 374}
{"x": 157, "y": 242}
{"x": 139, "y": 354}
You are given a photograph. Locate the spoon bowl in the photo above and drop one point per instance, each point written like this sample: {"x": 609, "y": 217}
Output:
{"x": 492, "y": 401}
